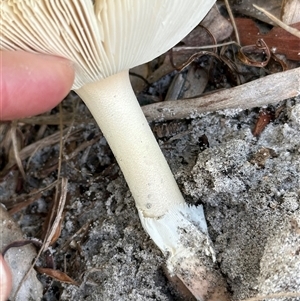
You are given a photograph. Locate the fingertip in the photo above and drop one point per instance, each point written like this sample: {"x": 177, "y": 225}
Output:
{"x": 32, "y": 83}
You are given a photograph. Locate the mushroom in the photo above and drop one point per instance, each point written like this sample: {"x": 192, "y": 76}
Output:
{"x": 104, "y": 38}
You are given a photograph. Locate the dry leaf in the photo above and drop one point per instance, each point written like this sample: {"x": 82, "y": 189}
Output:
{"x": 196, "y": 81}
{"x": 263, "y": 120}
{"x": 246, "y": 8}
{"x": 217, "y": 25}
{"x": 52, "y": 225}
{"x": 57, "y": 229}
{"x": 277, "y": 39}
{"x": 290, "y": 11}
{"x": 138, "y": 77}
{"x": 261, "y": 156}
{"x": 57, "y": 275}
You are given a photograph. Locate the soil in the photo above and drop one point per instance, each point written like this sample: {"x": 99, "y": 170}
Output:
{"x": 249, "y": 187}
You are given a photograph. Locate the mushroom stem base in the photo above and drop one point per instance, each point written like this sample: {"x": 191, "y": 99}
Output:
{"x": 181, "y": 234}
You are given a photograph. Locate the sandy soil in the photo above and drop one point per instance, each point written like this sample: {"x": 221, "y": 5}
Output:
{"x": 249, "y": 187}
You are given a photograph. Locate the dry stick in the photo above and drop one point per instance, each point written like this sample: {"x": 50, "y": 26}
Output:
{"x": 24, "y": 204}
{"x": 62, "y": 201}
{"x": 28, "y": 150}
{"x": 59, "y": 211}
{"x": 180, "y": 48}
{"x": 267, "y": 90}
{"x": 57, "y": 205}
{"x": 30, "y": 196}
{"x": 278, "y": 22}
{"x": 69, "y": 119}
{"x": 16, "y": 148}
{"x": 61, "y": 145}
{"x": 232, "y": 21}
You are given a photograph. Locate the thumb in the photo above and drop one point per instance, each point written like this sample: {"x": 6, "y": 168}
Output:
{"x": 32, "y": 83}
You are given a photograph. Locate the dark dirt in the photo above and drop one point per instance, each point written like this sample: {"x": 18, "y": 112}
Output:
{"x": 251, "y": 205}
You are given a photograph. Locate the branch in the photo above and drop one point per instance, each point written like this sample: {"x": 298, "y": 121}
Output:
{"x": 267, "y": 90}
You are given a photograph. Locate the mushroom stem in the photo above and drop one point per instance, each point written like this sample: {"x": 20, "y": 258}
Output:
{"x": 179, "y": 230}
{"x": 119, "y": 115}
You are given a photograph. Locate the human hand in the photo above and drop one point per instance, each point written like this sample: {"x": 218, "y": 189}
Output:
{"x": 5, "y": 280}
{"x": 31, "y": 84}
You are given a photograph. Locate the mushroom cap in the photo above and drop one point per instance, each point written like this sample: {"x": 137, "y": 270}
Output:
{"x": 101, "y": 37}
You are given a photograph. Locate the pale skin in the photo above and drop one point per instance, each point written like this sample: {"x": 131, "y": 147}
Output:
{"x": 30, "y": 84}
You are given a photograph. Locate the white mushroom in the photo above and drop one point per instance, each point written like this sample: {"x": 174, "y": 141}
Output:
{"x": 104, "y": 38}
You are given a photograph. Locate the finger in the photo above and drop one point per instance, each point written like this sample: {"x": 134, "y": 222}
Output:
{"x": 31, "y": 84}
{"x": 5, "y": 280}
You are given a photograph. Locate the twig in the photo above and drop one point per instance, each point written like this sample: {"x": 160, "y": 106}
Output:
{"x": 58, "y": 213}
{"x": 62, "y": 201}
{"x": 24, "y": 200}
{"x": 288, "y": 28}
{"x": 28, "y": 150}
{"x": 232, "y": 21}
{"x": 267, "y": 90}
{"x": 15, "y": 148}
{"x": 180, "y": 48}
